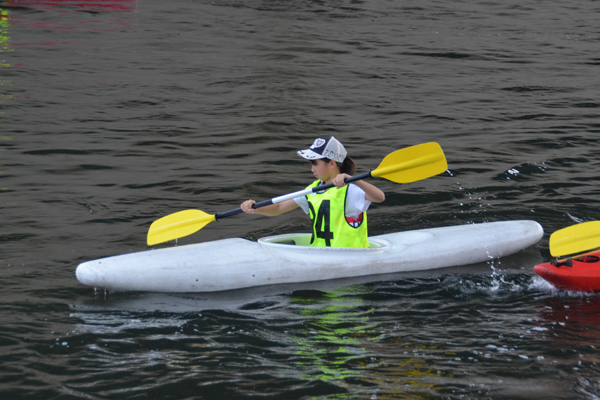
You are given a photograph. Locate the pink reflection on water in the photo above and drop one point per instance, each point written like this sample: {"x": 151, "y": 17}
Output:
{"x": 67, "y": 20}
{"x": 94, "y": 5}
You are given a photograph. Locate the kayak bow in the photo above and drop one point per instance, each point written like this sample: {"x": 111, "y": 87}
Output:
{"x": 581, "y": 274}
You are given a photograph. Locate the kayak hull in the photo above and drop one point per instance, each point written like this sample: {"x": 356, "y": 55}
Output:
{"x": 581, "y": 274}
{"x": 239, "y": 263}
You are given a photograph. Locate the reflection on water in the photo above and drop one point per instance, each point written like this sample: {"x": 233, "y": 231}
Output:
{"x": 342, "y": 345}
{"x": 330, "y": 348}
{"x": 89, "y": 5}
{"x": 4, "y": 22}
{"x": 572, "y": 319}
{"x": 406, "y": 335}
{"x": 570, "y": 324}
{"x": 70, "y": 20}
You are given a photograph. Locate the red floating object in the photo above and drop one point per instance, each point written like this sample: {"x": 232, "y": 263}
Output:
{"x": 581, "y": 273}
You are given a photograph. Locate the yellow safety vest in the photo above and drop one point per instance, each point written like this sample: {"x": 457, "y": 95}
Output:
{"x": 329, "y": 223}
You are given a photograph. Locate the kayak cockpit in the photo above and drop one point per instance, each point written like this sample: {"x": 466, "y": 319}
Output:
{"x": 303, "y": 240}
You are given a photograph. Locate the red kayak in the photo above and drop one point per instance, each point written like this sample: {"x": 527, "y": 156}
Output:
{"x": 581, "y": 273}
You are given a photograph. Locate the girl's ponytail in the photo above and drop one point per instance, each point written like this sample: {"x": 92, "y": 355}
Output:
{"x": 348, "y": 166}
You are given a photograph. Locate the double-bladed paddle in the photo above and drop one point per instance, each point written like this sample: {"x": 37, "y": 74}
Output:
{"x": 402, "y": 166}
{"x": 575, "y": 239}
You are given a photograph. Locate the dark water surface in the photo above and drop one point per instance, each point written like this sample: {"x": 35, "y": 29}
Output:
{"x": 115, "y": 113}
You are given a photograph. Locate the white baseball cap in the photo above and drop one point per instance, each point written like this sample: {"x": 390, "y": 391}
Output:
{"x": 325, "y": 148}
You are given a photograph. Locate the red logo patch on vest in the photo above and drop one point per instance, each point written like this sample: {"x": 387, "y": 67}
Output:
{"x": 355, "y": 222}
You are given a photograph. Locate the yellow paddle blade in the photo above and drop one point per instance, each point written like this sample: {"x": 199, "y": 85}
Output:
{"x": 412, "y": 163}
{"x": 575, "y": 239}
{"x": 177, "y": 225}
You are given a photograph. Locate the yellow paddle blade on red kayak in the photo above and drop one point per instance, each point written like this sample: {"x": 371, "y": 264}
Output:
{"x": 178, "y": 225}
{"x": 412, "y": 163}
{"x": 575, "y": 239}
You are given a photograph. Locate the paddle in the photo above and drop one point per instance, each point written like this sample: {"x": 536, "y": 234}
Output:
{"x": 402, "y": 166}
{"x": 575, "y": 239}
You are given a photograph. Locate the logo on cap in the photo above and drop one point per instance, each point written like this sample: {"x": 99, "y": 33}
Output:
{"x": 325, "y": 148}
{"x": 318, "y": 143}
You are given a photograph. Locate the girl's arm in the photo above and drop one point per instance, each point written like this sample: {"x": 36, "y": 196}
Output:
{"x": 270, "y": 211}
{"x": 372, "y": 193}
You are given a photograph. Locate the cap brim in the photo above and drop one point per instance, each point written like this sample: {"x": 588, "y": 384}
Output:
{"x": 309, "y": 154}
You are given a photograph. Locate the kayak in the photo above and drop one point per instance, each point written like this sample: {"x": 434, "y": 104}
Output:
{"x": 237, "y": 263}
{"x": 581, "y": 273}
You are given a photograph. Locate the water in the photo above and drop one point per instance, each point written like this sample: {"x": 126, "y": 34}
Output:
{"x": 116, "y": 113}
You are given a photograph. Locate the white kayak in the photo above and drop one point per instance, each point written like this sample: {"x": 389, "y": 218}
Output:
{"x": 240, "y": 263}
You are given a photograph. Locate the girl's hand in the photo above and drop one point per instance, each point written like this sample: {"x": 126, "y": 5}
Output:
{"x": 338, "y": 181}
{"x": 247, "y": 206}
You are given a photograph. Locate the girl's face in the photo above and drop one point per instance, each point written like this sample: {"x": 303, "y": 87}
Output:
{"x": 324, "y": 170}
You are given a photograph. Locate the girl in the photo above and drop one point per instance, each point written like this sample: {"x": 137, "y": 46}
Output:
{"x": 338, "y": 215}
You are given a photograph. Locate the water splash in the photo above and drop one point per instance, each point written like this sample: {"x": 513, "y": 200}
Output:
{"x": 576, "y": 219}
